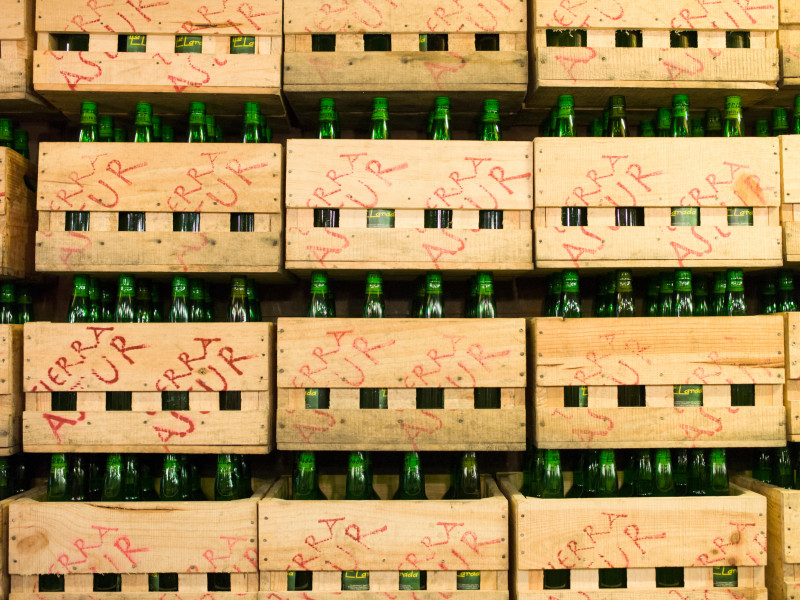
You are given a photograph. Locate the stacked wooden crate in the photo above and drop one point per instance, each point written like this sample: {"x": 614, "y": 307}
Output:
{"x": 17, "y": 41}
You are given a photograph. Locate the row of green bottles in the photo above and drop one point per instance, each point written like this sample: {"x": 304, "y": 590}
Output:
{"x": 632, "y": 38}
{"x": 465, "y": 485}
{"x": 16, "y": 139}
{"x": 16, "y": 304}
{"x": 647, "y": 474}
{"x": 184, "y": 44}
{"x": 777, "y": 292}
{"x": 777, "y": 466}
{"x": 14, "y": 477}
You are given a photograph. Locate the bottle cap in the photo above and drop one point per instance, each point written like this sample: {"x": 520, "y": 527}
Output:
{"x": 680, "y": 100}
{"x": 7, "y": 292}
{"x": 616, "y": 102}
{"x": 570, "y": 281}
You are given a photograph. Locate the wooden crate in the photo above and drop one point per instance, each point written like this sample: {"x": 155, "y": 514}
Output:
{"x": 10, "y": 389}
{"x": 658, "y": 354}
{"x": 118, "y": 80}
{"x": 793, "y": 378}
{"x": 17, "y": 40}
{"x": 657, "y": 174}
{"x": 384, "y": 536}
{"x": 17, "y": 216}
{"x": 146, "y": 359}
{"x": 638, "y": 534}
{"x": 5, "y": 579}
{"x": 78, "y": 539}
{"x": 789, "y": 36}
{"x": 160, "y": 180}
{"x": 783, "y": 570}
{"x": 649, "y": 76}
{"x": 409, "y": 176}
{"x": 790, "y": 207}
{"x": 410, "y": 79}
{"x": 401, "y": 355}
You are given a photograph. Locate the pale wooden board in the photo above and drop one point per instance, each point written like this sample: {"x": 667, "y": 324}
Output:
{"x": 712, "y": 246}
{"x": 161, "y": 431}
{"x": 415, "y": 16}
{"x": 409, "y": 248}
{"x": 94, "y": 359}
{"x": 790, "y": 154}
{"x": 657, "y": 172}
{"x": 667, "y": 14}
{"x": 18, "y": 216}
{"x": 14, "y": 21}
{"x": 411, "y": 71}
{"x": 792, "y": 347}
{"x": 10, "y": 359}
{"x": 447, "y": 429}
{"x": 789, "y": 12}
{"x": 347, "y": 353}
{"x": 192, "y": 595}
{"x": 164, "y": 252}
{"x": 790, "y": 53}
{"x": 650, "y": 532}
{"x": 669, "y": 350}
{"x": 792, "y": 392}
{"x": 171, "y": 536}
{"x": 92, "y": 72}
{"x": 160, "y": 177}
{"x": 650, "y": 594}
{"x": 14, "y": 78}
{"x": 672, "y": 66}
{"x": 257, "y": 17}
{"x": 782, "y": 549}
{"x": 4, "y": 537}
{"x": 409, "y": 174}
{"x": 655, "y": 427}
{"x": 791, "y": 241}
{"x": 384, "y": 534}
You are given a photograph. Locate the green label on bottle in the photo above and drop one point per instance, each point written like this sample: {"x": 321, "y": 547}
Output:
{"x": 136, "y": 43}
{"x": 189, "y": 44}
{"x": 685, "y": 216}
{"x": 688, "y": 395}
{"x": 380, "y": 217}
{"x": 243, "y": 44}
{"x": 355, "y": 581}
{"x": 58, "y": 461}
{"x": 564, "y": 112}
{"x": 312, "y": 398}
{"x": 383, "y": 398}
{"x": 726, "y": 577}
{"x": 583, "y": 396}
{"x": 740, "y": 216}
{"x": 468, "y": 580}
{"x": 410, "y": 580}
{"x": 291, "y": 578}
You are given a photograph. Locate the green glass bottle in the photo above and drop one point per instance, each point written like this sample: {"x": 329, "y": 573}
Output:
{"x": 211, "y": 129}
{"x": 735, "y": 305}
{"x": 120, "y": 135}
{"x": 718, "y": 473}
{"x": 644, "y": 482}
{"x": 468, "y": 487}
{"x": 713, "y": 121}
{"x": 664, "y": 122}
{"x": 105, "y": 128}
{"x": 782, "y": 472}
{"x": 574, "y": 396}
{"x": 245, "y": 222}
{"x": 238, "y": 307}
{"x": 698, "y": 128}
{"x": 328, "y": 130}
{"x": 198, "y": 134}
{"x": 412, "y": 487}
{"x": 578, "y": 487}
{"x": 266, "y": 131}
{"x": 172, "y": 483}
{"x": 253, "y": 307}
{"x": 77, "y": 481}
{"x": 197, "y": 312}
{"x": 157, "y": 128}
{"x": 617, "y": 127}
{"x": 553, "y": 305}
{"x": 305, "y": 486}
{"x": 147, "y": 492}
{"x": 432, "y": 308}
{"x": 131, "y": 480}
{"x": 700, "y": 289}
{"x": 680, "y": 116}
{"x": 762, "y": 128}
{"x": 79, "y": 220}
{"x": 188, "y": 44}
{"x": 8, "y": 305}
{"x": 719, "y": 295}
{"x": 144, "y": 302}
{"x": 769, "y": 295}
{"x": 680, "y": 471}
{"x": 178, "y": 313}
{"x": 530, "y": 484}
{"x": 666, "y": 295}
{"x": 357, "y": 487}
{"x": 596, "y": 128}
{"x": 698, "y": 472}
{"x": 132, "y": 43}
{"x": 571, "y": 216}
{"x": 622, "y": 305}
{"x": 112, "y": 481}
{"x": 243, "y": 44}
{"x": 608, "y": 487}
{"x": 167, "y": 134}
{"x": 95, "y": 305}
{"x": 688, "y": 394}
{"x": 664, "y": 486}
{"x": 155, "y": 299}
{"x": 762, "y": 469}
{"x": 734, "y": 125}
{"x": 485, "y": 308}
{"x": 651, "y": 307}
{"x": 380, "y": 217}
{"x": 786, "y": 297}
{"x": 490, "y": 132}
{"x": 58, "y": 483}
{"x": 319, "y": 307}
{"x": 440, "y": 218}
{"x": 226, "y": 484}
{"x": 796, "y": 115}
{"x": 682, "y": 39}
{"x": 591, "y": 468}
{"x": 553, "y": 487}
{"x": 21, "y": 143}
{"x": 96, "y": 470}
{"x": 374, "y": 308}
{"x": 737, "y": 39}
{"x": 135, "y": 221}
{"x": 6, "y": 133}
{"x": 24, "y": 304}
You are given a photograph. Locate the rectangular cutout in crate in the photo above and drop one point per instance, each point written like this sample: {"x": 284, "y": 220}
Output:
{"x": 436, "y": 535}
{"x": 658, "y": 176}
{"x": 147, "y": 359}
{"x": 169, "y": 80}
{"x": 640, "y": 535}
{"x": 401, "y": 355}
{"x": 407, "y": 176}
{"x": 783, "y": 564}
{"x": 191, "y": 538}
{"x": 217, "y": 181}
{"x": 605, "y": 354}
{"x": 409, "y": 69}
{"x": 17, "y": 216}
{"x": 651, "y": 73}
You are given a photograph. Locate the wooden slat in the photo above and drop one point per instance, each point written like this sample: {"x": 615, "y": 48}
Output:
{"x": 492, "y": 249}
{"x": 160, "y": 177}
{"x": 418, "y": 16}
{"x": 708, "y": 593}
{"x": 790, "y": 154}
{"x": 175, "y": 16}
{"x": 704, "y": 350}
{"x": 388, "y": 532}
{"x": 148, "y": 357}
{"x": 675, "y": 247}
{"x": 409, "y": 174}
{"x": 668, "y": 14}
{"x": 15, "y": 21}
{"x": 144, "y": 252}
{"x": 789, "y": 13}
{"x": 667, "y": 172}
{"x": 400, "y": 353}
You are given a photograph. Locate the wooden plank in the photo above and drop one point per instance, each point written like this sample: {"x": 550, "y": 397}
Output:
{"x": 176, "y": 16}
{"x": 409, "y": 174}
{"x": 147, "y": 252}
{"x": 638, "y": 532}
{"x": 93, "y": 72}
{"x": 651, "y": 594}
{"x": 160, "y": 178}
{"x": 161, "y": 431}
{"x": 789, "y": 13}
{"x": 669, "y": 172}
{"x": 571, "y": 247}
{"x": 342, "y": 248}
{"x": 790, "y": 53}
{"x": 197, "y": 595}
{"x": 668, "y": 14}
{"x": 670, "y": 350}
{"x": 5, "y": 583}
{"x": 149, "y": 537}
{"x": 790, "y": 153}
{"x": 11, "y": 360}
{"x": 792, "y": 338}
{"x": 706, "y": 427}
{"x": 417, "y": 16}
{"x": 400, "y": 353}
{"x": 148, "y": 357}
{"x": 411, "y": 71}
{"x": 391, "y": 532}
{"x": 667, "y": 65}
{"x": 15, "y": 21}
